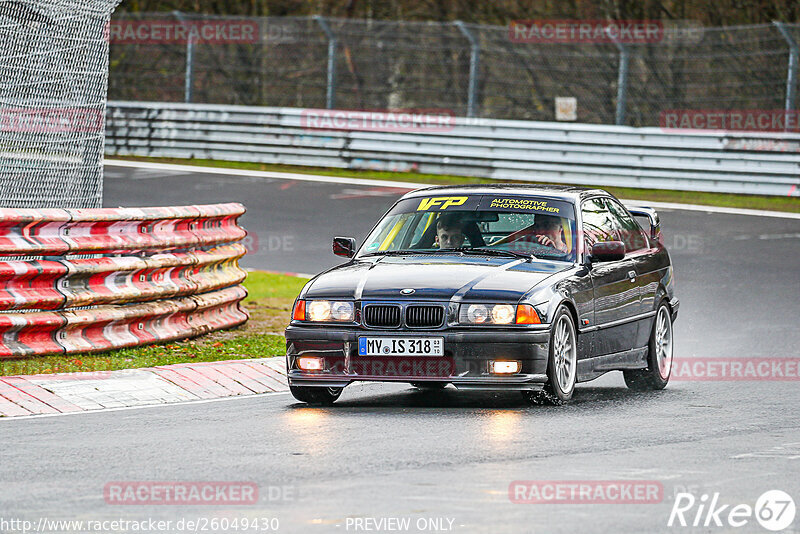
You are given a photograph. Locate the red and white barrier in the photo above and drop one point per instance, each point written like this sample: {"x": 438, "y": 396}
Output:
{"x": 182, "y": 282}
{"x": 55, "y": 232}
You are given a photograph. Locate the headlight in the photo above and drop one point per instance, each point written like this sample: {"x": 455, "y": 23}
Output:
{"x": 318, "y": 310}
{"x": 342, "y": 311}
{"x": 503, "y": 314}
{"x": 497, "y": 314}
{"x": 477, "y": 313}
{"x": 326, "y": 311}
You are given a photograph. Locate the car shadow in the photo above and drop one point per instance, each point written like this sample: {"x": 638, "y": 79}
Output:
{"x": 595, "y": 398}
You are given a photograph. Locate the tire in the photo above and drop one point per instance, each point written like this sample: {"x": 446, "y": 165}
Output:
{"x": 659, "y": 355}
{"x": 562, "y": 363}
{"x": 429, "y": 385}
{"x": 316, "y": 395}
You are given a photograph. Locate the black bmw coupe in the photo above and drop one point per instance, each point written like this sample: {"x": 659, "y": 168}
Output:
{"x": 504, "y": 287}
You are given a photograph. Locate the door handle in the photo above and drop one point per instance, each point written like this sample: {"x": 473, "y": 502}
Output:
{"x": 632, "y": 275}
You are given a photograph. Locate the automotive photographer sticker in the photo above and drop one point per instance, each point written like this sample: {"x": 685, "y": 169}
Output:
{"x": 774, "y": 510}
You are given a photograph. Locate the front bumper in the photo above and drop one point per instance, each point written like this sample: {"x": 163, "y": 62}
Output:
{"x": 465, "y": 364}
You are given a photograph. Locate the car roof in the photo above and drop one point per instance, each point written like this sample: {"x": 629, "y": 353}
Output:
{"x": 563, "y": 192}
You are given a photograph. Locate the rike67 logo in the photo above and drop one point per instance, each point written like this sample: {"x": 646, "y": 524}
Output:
{"x": 774, "y": 510}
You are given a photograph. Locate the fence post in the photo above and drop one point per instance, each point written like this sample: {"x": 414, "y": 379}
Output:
{"x": 330, "y": 97}
{"x": 188, "y": 76}
{"x": 791, "y": 74}
{"x": 622, "y": 83}
{"x": 474, "y": 58}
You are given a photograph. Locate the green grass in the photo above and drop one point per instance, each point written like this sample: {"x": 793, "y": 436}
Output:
{"x": 789, "y": 204}
{"x": 269, "y": 301}
{"x": 262, "y": 285}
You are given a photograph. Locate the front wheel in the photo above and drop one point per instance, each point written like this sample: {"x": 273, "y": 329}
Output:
{"x": 315, "y": 395}
{"x": 659, "y": 356}
{"x": 562, "y": 364}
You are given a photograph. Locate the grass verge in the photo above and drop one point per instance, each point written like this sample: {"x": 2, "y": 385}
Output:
{"x": 759, "y": 202}
{"x": 269, "y": 302}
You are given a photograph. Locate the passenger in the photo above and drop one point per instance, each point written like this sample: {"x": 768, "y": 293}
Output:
{"x": 450, "y": 231}
{"x": 547, "y": 231}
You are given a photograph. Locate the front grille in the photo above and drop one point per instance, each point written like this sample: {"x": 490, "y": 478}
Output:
{"x": 424, "y": 316}
{"x": 382, "y": 315}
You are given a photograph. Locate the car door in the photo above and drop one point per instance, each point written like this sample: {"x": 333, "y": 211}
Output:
{"x": 646, "y": 263}
{"x": 614, "y": 285}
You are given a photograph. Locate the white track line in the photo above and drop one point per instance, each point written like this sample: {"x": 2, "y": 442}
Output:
{"x": 712, "y": 209}
{"x": 146, "y": 406}
{"x": 262, "y": 174}
{"x": 414, "y": 185}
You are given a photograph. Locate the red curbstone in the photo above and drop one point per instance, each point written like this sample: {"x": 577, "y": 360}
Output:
{"x": 10, "y": 409}
{"x": 24, "y": 400}
{"x": 167, "y": 373}
{"x": 41, "y": 394}
{"x": 203, "y": 381}
{"x": 232, "y": 386}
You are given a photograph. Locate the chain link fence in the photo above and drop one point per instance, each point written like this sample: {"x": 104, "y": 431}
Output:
{"x": 53, "y": 82}
{"x": 469, "y": 70}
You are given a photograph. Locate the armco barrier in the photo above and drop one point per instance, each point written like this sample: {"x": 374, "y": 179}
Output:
{"x": 764, "y": 163}
{"x": 112, "y": 231}
{"x": 153, "y": 274}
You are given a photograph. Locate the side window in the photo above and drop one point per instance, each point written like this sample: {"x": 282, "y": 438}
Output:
{"x": 632, "y": 234}
{"x": 598, "y": 223}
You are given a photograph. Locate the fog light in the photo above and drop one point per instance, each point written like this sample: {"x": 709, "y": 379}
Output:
{"x": 310, "y": 364}
{"x": 505, "y": 368}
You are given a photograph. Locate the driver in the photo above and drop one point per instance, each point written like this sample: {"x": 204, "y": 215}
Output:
{"x": 547, "y": 231}
{"x": 450, "y": 231}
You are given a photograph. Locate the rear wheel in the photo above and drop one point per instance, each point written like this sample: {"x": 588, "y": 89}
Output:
{"x": 315, "y": 395}
{"x": 562, "y": 364}
{"x": 659, "y": 357}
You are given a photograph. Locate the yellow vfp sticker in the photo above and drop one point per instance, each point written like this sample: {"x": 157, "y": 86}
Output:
{"x": 440, "y": 202}
{"x": 523, "y": 204}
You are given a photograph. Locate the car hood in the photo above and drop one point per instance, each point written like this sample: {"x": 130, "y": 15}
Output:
{"x": 433, "y": 278}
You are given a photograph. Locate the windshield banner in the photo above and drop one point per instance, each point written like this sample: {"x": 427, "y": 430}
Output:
{"x": 487, "y": 203}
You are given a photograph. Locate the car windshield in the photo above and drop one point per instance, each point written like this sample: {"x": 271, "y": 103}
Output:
{"x": 513, "y": 226}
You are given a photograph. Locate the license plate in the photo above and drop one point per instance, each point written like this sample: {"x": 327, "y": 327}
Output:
{"x": 401, "y": 346}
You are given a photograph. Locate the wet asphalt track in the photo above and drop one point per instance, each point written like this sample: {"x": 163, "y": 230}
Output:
{"x": 389, "y": 451}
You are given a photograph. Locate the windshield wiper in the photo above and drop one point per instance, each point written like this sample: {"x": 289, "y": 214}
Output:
{"x": 402, "y": 252}
{"x": 495, "y": 252}
{"x": 476, "y": 250}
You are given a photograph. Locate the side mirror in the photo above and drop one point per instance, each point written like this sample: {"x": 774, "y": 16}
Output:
{"x": 608, "y": 251}
{"x": 344, "y": 246}
{"x": 652, "y": 217}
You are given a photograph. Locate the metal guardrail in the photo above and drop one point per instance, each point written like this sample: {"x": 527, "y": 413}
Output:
{"x": 717, "y": 161}
{"x": 154, "y": 274}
